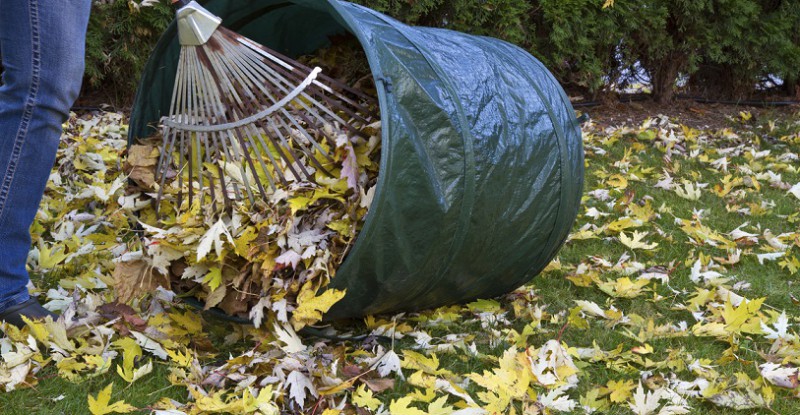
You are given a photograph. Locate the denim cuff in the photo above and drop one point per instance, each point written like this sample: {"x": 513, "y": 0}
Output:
{"x": 17, "y": 299}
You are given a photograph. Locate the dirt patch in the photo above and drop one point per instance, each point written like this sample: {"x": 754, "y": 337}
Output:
{"x": 690, "y": 113}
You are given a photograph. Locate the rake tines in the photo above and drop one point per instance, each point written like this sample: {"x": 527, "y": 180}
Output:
{"x": 244, "y": 118}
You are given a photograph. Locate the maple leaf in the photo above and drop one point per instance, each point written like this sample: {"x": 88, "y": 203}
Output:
{"x": 401, "y": 407}
{"x": 795, "y": 190}
{"x": 785, "y": 377}
{"x": 623, "y": 223}
{"x": 792, "y": 264}
{"x": 104, "y": 192}
{"x": 131, "y": 375}
{"x": 290, "y": 257}
{"x": 311, "y": 307}
{"x": 214, "y": 238}
{"x": 617, "y": 181}
{"x": 555, "y": 400}
{"x": 644, "y": 404}
{"x": 136, "y": 278}
{"x": 130, "y": 352}
{"x": 593, "y": 401}
{"x": 150, "y": 345}
{"x": 364, "y": 398}
{"x": 769, "y": 257}
{"x": 623, "y": 287}
{"x": 743, "y": 318}
{"x": 257, "y": 312}
{"x": 180, "y": 358}
{"x": 781, "y": 328}
{"x": 290, "y": 339}
{"x": 553, "y": 366}
{"x": 648, "y": 403}
{"x": 298, "y": 384}
{"x": 689, "y": 191}
{"x": 510, "y": 381}
{"x": 619, "y": 391}
{"x": 440, "y": 407}
{"x": 636, "y": 242}
{"x": 50, "y": 257}
{"x": 100, "y": 404}
{"x": 388, "y": 363}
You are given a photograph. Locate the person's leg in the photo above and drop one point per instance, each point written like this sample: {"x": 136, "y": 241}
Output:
{"x": 42, "y": 45}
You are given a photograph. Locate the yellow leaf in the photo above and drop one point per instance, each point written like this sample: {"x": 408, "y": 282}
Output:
{"x": 636, "y": 241}
{"x": 263, "y": 403}
{"x": 745, "y": 115}
{"x": 130, "y": 352}
{"x": 440, "y": 407}
{"x": 189, "y": 320}
{"x": 400, "y": 407}
{"x": 214, "y": 402}
{"x": 416, "y": 361}
{"x": 343, "y": 227}
{"x": 429, "y": 393}
{"x": 243, "y": 243}
{"x": 619, "y": 391}
{"x": 310, "y": 307}
{"x": 364, "y": 398}
{"x": 510, "y": 381}
{"x": 593, "y": 400}
{"x": 616, "y": 180}
{"x": 131, "y": 375}
{"x": 38, "y": 329}
{"x": 49, "y": 258}
{"x": 608, "y": 3}
{"x": 623, "y": 287}
{"x": 213, "y": 279}
{"x": 49, "y": 331}
{"x": 100, "y": 363}
{"x": 790, "y": 263}
{"x": 643, "y": 213}
{"x": 643, "y": 349}
{"x": 70, "y": 368}
{"x": 622, "y": 224}
{"x": 582, "y": 280}
{"x": 743, "y": 318}
{"x": 100, "y": 406}
{"x": 575, "y": 320}
{"x": 421, "y": 380}
{"x": 333, "y": 390}
{"x": 299, "y": 203}
{"x": 180, "y": 358}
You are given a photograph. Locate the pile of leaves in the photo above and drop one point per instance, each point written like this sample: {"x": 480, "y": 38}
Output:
{"x": 271, "y": 257}
{"x": 676, "y": 293}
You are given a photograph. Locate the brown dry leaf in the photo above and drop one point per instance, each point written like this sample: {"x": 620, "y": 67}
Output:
{"x": 235, "y": 304}
{"x": 135, "y": 278}
{"x": 379, "y": 385}
{"x": 140, "y": 164}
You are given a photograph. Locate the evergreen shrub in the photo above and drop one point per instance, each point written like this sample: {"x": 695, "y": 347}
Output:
{"x": 724, "y": 48}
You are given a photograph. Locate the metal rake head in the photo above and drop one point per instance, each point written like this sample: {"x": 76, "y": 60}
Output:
{"x": 244, "y": 117}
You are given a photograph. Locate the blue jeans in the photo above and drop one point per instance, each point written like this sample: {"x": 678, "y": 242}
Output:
{"x": 41, "y": 48}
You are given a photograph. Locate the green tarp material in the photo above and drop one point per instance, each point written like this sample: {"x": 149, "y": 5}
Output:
{"x": 482, "y": 165}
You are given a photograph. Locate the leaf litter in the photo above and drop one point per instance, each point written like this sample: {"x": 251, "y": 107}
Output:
{"x": 660, "y": 280}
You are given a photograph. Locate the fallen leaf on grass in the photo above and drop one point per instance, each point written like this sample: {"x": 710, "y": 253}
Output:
{"x": 100, "y": 405}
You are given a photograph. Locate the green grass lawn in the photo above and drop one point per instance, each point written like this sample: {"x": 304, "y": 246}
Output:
{"x": 646, "y": 342}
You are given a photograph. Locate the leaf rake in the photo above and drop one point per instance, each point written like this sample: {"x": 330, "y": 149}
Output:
{"x": 243, "y": 114}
